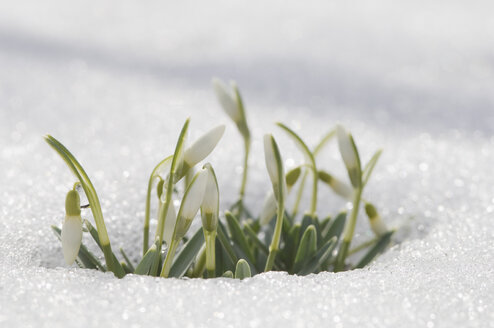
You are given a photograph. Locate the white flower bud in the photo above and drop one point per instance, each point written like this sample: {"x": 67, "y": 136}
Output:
{"x": 210, "y": 202}
{"x": 273, "y": 164}
{"x": 170, "y": 222}
{"x": 349, "y": 155}
{"x": 227, "y": 100}
{"x": 72, "y": 227}
{"x": 377, "y": 224}
{"x": 341, "y": 189}
{"x": 194, "y": 195}
{"x": 268, "y": 208}
{"x": 203, "y": 146}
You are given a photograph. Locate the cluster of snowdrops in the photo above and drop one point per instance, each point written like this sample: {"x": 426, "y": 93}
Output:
{"x": 236, "y": 243}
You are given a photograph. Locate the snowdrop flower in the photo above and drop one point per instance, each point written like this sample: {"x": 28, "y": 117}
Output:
{"x": 227, "y": 100}
{"x": 72, "y": 227}
{"x": 170, "y": 222}
{"x": 191, "y": 202}
{"x": 231, "y": 103}
{"x": 339, "y": 187}
{"x": 210, "y": 202}
{"x": 349, "y": 155}
{"x": 275, "y": 170}
{"x": 203, "y": 146}
{"x": 268, "y": 208}
{"x": 377, "y": 224}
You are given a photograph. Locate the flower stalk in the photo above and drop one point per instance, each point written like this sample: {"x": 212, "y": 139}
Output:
{"x": 274, "y": 165}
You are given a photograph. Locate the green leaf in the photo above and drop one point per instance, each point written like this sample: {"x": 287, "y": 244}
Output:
{"x": 225, "y": 242}
{"x": 306, "y": 249}
{"x": 335, "y": 229}
{"x": 306, "y": 222}
{"x": 324, "y": 141}
{"x": 370, "y": 166}
{"x": 127, "y": 260}
{"x": 322, "y": 255}
{"x": 187, "y": 255}
{"x": 119, "y": 271}
{"x": 378, "y": 248}
{"x": 253, "y": 237}
{"x": 325, "y": 224}
{"x": 301, "y": 145}
{"x": 227, "y": 274}
{"x": 126, "y": 268}
{"x": 242, "y": 270}
{"x": 147, "y": 260}
{"x": 291, "y": 245}
{"x": 238, "y": 235}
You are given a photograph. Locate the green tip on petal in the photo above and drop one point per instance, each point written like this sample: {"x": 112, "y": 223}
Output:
{"x": 73, "y": 203}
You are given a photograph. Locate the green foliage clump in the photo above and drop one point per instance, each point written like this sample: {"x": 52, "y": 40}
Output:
{"x": 235, "y": 244}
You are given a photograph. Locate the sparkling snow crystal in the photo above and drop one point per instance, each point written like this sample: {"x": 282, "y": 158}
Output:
{"x": 115, "y": 80}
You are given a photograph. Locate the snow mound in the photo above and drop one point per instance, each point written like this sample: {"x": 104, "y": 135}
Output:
{"x": 116, "y": 81}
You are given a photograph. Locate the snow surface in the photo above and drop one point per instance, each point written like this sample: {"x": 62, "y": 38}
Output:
{"x": 114, "y": 81}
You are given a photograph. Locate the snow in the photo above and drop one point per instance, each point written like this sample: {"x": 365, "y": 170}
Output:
{"x": 115, "y": 80}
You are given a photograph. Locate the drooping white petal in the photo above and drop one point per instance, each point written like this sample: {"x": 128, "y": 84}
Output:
{"x": 71, "y": 237}
{"x": 341, "y": 189}
{"x": 378, "y": 226}
{"x": 277, "y": 177}
{"x": 270, "y": 159}
{"x": 227, "y": 100}
{"x": 346, "y": 148}
{"x": 268, "y": 208}
{"x": 203, "y": 146}
{"x": 211, "y": 195}
{"x": 194, "y": 195}
{"x": 170, "y": 222}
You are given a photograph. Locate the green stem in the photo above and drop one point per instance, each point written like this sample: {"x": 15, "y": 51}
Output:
{"x": 169, "y": 259}
{"x": 145, "y": 241}
{"x": 349, "y": 231}
{"x": 299, "y": 194}
{"x": 244, "y": 177}
{"x": 362, "y": 246}
{"x": 313, "y": 204}
{"x": 275, "y": 242}
{"x": 210, "y": 237}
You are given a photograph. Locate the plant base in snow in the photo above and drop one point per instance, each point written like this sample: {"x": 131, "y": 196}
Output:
{"x": 236, "y": 244}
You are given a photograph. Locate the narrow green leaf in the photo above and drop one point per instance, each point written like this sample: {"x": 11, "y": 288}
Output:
{"x": 253, "y": 237}
{"x": 119, "y": 271}
{"x": 306, "y": 222}
{"x": 126, "y": 268}
{"x": 322, "y": 255}
{"x": 301, "y": 145}
{"x": 291, "y": 245}
{"x": 227, "y": 274}
{"x": 242, "y": 270}
{"x": 335, "y": 229}
{"x": 324, "y": 141}
{"x": 238, "y": 235}
{"x": 147, "y": 260}
{"x": 187, "y": 255}
{"x": 366, "y": 174}
{"x": 325, "y": 224}
{"x": 306, "y": 249}
{"x": 225, "y": 242}
{"x": 127, "y": 260}
{"x": 378, "y": 248}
